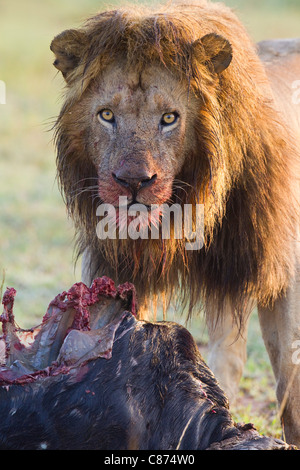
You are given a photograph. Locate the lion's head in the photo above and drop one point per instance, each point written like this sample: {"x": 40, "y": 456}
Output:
{"x": 174, "y": 106}
{"x": 138, "y": 120}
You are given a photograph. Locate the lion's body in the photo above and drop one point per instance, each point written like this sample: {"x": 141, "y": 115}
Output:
{"x": 230, "y": 149}
{"x": 280, "y": 324}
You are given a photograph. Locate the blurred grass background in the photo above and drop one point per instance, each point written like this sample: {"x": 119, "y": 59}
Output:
{"x": 36, "y": 238}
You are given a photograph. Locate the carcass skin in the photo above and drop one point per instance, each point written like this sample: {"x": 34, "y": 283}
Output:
{"x": 92, "y": 376}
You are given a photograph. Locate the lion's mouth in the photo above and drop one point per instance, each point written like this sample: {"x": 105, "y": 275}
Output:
{"x": 135, "y": 202}
{"x": 144, "y": 215}
{"x": 129, "y": 220}
{"x": 110, "y": 193}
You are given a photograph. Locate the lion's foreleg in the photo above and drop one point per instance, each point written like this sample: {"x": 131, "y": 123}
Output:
{"x": 227, "y": 353}
{"x": 281, "y": 333}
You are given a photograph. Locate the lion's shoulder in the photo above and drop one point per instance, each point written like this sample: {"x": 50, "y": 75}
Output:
{"x": 273, "y": 49}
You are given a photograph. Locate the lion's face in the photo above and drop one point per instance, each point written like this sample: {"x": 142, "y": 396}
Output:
{"x": 131, "y": 119}
{"x": 140, "y": 130}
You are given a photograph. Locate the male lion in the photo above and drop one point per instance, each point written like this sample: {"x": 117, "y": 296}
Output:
{"x": 175, "y": 106}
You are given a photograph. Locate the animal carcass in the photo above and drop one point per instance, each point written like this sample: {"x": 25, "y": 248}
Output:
{"x": 92, "y": 376}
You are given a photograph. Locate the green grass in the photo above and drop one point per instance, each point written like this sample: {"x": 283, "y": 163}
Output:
{"x": 36, "y": 249}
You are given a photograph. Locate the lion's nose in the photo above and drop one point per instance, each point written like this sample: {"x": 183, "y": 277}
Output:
{"x": 133, "y": 182}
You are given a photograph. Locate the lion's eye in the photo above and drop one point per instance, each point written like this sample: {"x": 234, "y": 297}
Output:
{"x": 106, "y": 115}
{"x": 169, "y": 118}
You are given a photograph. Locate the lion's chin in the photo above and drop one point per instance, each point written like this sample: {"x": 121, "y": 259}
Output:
{"x": 143, "y": 213}
{"x": 143, "y": 216}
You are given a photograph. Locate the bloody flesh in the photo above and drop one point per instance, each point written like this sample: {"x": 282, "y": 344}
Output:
{"x": 79, "y": 324}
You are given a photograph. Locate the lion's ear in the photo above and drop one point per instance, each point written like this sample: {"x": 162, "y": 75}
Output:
{"x": 213, "y": 49}
{"x": 68, "y": 48}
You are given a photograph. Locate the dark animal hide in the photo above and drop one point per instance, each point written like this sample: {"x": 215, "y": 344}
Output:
{"x": 91, "y": 376}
